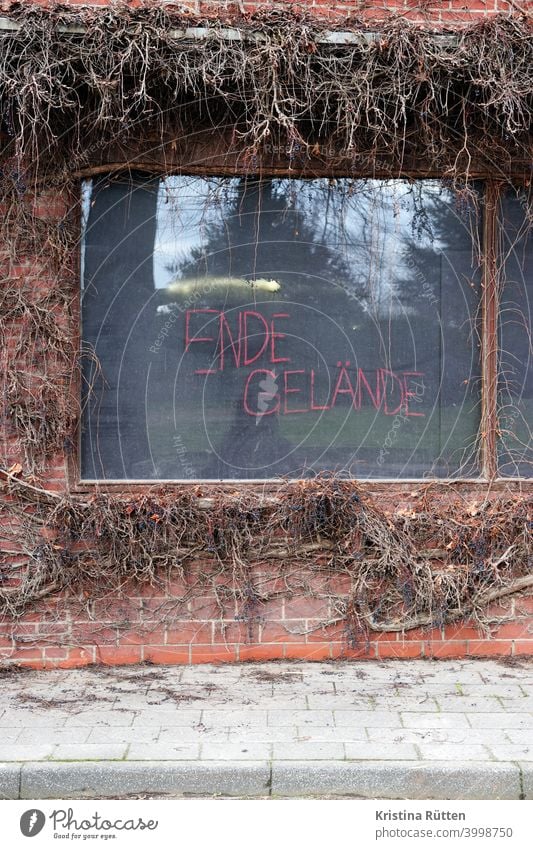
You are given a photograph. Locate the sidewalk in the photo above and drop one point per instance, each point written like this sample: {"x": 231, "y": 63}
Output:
{"x": 391, "y": 729}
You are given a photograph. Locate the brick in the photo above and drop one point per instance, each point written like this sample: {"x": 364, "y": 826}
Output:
{"x": 274, "y": 651}
{"x": 280, "y": 632}
{"x": 462, "y": 631}
{"x": 490, "y": 648}
{"x": 234, "y": 632}
{"x": 513, "y": 630}
{"x": 167, "y": 654}
{"x": 213, "y": 654}
{"x": 313, "y": 651}
{"x": 31, "y": 654}
{"x": 341, "y": 651}
{"x": 307, "y": 608}
{"x": 523, "y": 647}
{"x": 400, "y": 649}
{"x": 187, "y": 632}
{"x": 332, "y": 633}
{"x": 447, "y": 648}
{"x": 420, "y": 634}
{"x": 139, "y": 638}
{"x": 206, "y": 607}
{"x": 77, "y": 657}
{"x": 112, "y": 655}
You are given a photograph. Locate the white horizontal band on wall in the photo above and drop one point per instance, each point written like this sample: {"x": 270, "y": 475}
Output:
{"x": 234, "y": 34}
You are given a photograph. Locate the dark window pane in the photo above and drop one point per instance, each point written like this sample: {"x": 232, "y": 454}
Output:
{"x": 250, "y": 329}
{"x": 515, "y": 409}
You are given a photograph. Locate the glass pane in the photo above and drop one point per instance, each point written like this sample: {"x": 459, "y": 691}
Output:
{"x": 515, "y": 409}
{"x": 250, "y": 329}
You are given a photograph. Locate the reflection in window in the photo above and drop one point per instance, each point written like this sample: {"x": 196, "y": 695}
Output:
{"x": 249, "y": 329}
{"x": 515, "y": 408}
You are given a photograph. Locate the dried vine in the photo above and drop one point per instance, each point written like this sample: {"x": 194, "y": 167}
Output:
{"x": 406, "y": 570}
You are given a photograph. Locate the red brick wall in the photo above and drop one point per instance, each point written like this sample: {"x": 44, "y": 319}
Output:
{"x": 60, "y": 634}
{"x": 423, "y": 11}
{"x": 151, "y": 624}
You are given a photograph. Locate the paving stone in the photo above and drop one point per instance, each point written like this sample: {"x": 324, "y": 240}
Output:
{"x": 376, "y": 752}
{"x": 29, "y": 736}
{"x": 16, "y": 752}
{"x": 513, "y": 752}
{"x": 119, "y": 734}
{"x": 33, "y": 719}
{"x": 89, "y": 752}
{"x": 405, "y": 703}
{"x": 309, "y": 751}
{"x": 519, "y": 705}
{"x": 300, "y": 717}
{"x": 459, "y": 736}
{"x": 399, "y": 780}
{"x": 367, "y": 719}
{"x": 280, "y": 734}
{"x": 154, "y": 716}
{"x": 336, "y": 702}
{"x": 112, "y": 779}
{"x": 524, "y": 736}
{"x": 468, "y": 704}
{"x": 317, "y": 734}
{"x": 233, "y": 718}
{"x": 186, "y": 734}
{"x": 434, "y": 720}
{"x": 13, "y": 735}
{"x": 272, "y": 703}
{"x": 453, "y": 752}
{"x": 237, "y": 751}
{"x": 163, "y": 752}
{"x": 104, "y": 717}
{"x": 501, "y": 720}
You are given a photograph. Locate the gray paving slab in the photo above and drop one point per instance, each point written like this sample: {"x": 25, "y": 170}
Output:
{"x": 367, "y": 719}
{"x": 232, "y": 751}
{"x": 16, "y": 752}
{"x": 300, "y": 717}
{"x": 501, "y": 720}
{"x": 89, "y": 752}
{"x": 434, "y": 720}
{"x": 163, "y": 752}
{"x": 459, "y": 736}
{"x": 309, "y": 751}
{"x": 381, "y": 752}
{"x": 317, "y": 733}
{"x": 513, "y": 752}
{"x": 454, "y": 752}
{"x": 155, "y": 716}
{"x": 231, "y": 718}
{"x": 100, "y": 734}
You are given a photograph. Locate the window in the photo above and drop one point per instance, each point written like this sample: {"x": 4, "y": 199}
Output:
{"x": 250, "y": 329}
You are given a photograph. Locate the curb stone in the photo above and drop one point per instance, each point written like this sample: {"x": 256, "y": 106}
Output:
{"x": 367, "y": 780}
{"x": 399, "y": 780}
{"x": 110, "y": 779}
